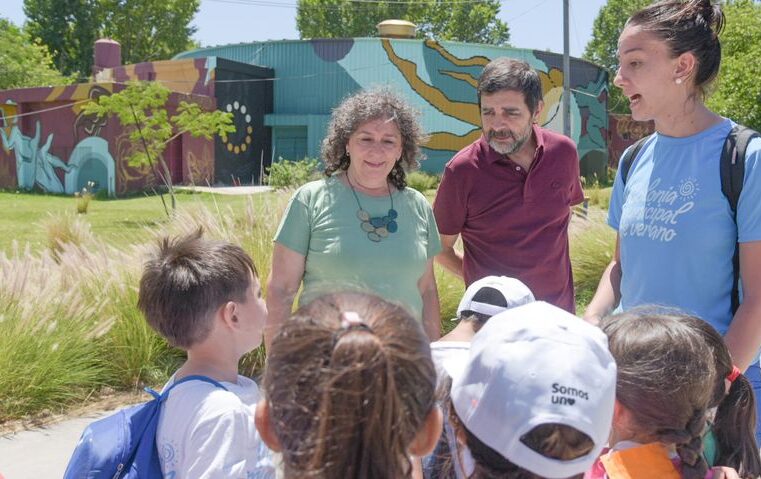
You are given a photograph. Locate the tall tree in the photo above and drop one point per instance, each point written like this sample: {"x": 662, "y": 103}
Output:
{"x": 150, "y": 29}
{"x": 466, "y": 22}
{"x": 737, "y": 92}
{"x": 147, "y": 29}
{"x": 603, "y": 47}
{"x": 443, "y": 20}
{"x": 23, "y": 62}
{"x": 68, "y": 28}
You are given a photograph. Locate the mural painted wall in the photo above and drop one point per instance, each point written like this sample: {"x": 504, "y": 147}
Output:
{"x": 624, "y": 131}
{"x": 312, "y": 76}
{"x": 238, "y": 88}
{"x": 49, "y": 144}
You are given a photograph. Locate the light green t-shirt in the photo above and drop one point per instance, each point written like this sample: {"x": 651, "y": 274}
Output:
{"x": 321, "y": 223}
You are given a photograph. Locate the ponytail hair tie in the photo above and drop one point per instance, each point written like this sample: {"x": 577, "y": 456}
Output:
{"x": 733, "y": 375}
{"x": 351, "y": 320}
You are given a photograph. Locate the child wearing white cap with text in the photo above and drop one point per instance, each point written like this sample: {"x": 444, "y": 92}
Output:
{"x": 535, "y": 398}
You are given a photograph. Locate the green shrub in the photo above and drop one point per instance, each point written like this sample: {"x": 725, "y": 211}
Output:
{"x": 66, "y": 229}
{"x": 292, "y": 174}
{"x": 599, "y": 196}
{"x": 422, "y": 181}
{"x": 451, "y": 288}
{"x": 137, "y": 355}
{"x": 84, "y": 197}
{"x": 598, "y": 190}
{"x": 48, "y": 352}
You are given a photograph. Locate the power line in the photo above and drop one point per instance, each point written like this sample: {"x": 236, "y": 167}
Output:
{"x": 356, "y": 3}
{"x": 45, "y": 110}
{"x": 526, "y": 11}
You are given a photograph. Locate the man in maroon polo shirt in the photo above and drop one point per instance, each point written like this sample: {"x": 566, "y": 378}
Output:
{"x": 509, "y": 193}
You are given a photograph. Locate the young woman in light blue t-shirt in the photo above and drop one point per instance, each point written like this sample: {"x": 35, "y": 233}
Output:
{"x": 676, "y": 231}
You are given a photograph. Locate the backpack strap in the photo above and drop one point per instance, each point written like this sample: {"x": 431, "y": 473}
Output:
{"x": 627, "y": 160}
{"x": 162, "y": 396}
{"x": 732, "y": 169}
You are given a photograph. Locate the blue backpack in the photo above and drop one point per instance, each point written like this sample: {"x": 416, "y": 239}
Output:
{"x": 123, "y": 445}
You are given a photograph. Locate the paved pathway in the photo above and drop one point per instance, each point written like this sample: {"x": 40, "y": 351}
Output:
{"x": 42, "y": 453}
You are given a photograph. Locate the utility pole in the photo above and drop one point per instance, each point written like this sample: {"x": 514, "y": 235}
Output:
{"x": 566, "y": 74}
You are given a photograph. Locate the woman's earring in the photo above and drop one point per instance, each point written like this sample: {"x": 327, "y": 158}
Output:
{"x": 678, "y": 81}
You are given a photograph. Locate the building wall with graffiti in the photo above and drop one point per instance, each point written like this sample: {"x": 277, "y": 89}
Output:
{"x": 49, "y": 144}
{"x": 623, "y": 132}
{"x": 312, "y": 76}
{"x": 238, "y": 88}
{"x": 280, "y": 94}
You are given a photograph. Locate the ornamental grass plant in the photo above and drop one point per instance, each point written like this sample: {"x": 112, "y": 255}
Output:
{"x": 592, "y": 244}
{"x": 69, "y": 324}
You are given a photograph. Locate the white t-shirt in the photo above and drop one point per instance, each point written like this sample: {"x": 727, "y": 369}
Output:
{"x": 455, "y": 353}
{"x": 447, "y": 351}
{"x": 207, "y": 432}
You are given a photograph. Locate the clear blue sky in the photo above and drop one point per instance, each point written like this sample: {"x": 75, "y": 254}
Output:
{"x": 534, "y": 24}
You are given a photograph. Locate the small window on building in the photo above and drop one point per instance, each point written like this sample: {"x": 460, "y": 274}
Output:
{"x": 290, "y": 142}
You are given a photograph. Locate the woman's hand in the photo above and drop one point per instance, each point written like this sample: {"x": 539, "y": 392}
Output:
{"x": 431, "y": 313}
{"x": 608, "y": 292}
{"x": 284, "y": 281}
{"x": 722, "y": 472}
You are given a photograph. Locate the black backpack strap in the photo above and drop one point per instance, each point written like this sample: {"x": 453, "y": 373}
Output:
{"x": 732, "y": 169}
{"x": 627, "y": 160}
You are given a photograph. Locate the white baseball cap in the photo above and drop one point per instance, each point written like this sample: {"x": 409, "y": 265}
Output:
{"x": 514, "y": 291}
{"x": 532, "y": 365}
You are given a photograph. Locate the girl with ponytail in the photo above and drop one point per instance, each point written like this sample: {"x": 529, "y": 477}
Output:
{"x": 731, "y": 440}
{"x": 349, "y": 391}
{"x": 665, "y": 386}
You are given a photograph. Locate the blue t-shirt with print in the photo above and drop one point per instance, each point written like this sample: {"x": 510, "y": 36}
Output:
{"x": 677, "y": 234}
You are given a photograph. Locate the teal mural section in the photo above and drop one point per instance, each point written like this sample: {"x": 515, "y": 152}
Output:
{"x": 439, "y": 78}
{"x": 37, "y": 167}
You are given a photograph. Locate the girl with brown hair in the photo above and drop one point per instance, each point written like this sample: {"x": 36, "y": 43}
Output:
{"x": 349, "y": 389}
{"x": 731, "y": 440}
{"x": 665, "y": 386}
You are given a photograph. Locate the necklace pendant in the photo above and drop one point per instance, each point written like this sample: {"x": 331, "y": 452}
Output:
{"x": 377, "y": 227}
{"x": 363, "y": 215}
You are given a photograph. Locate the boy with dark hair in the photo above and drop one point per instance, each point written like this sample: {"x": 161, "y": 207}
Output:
{"x": 204, "y": 297}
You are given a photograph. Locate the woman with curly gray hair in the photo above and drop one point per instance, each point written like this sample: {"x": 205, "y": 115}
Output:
{"x": 360, "y": 227}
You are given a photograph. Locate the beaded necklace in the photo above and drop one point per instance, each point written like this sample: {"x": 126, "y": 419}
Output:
{"x": 376, "y": 227}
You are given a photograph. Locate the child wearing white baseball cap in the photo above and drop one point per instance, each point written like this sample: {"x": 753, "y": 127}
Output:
{"x": 482, "y": 299}
{"x": 535, "y": 398}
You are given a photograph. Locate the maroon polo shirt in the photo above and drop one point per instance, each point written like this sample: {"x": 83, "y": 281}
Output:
{"x": 514, "y": 222}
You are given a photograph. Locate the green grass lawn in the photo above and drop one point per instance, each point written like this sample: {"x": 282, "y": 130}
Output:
{"x": 120, "y": 222}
